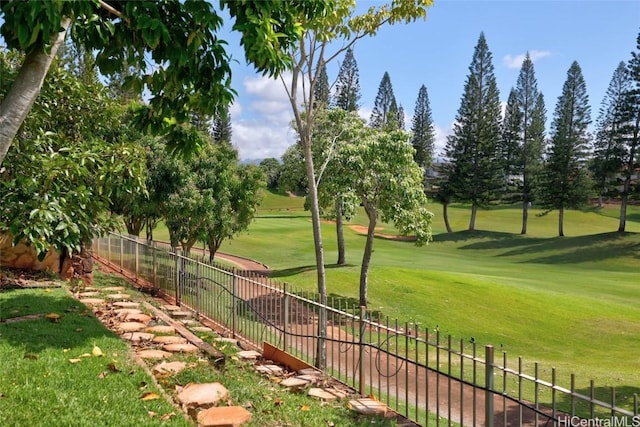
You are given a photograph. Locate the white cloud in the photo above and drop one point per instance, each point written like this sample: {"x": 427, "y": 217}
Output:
{"x": 257, "y": 139}
{"x": 516, "y": 61}
{"x": 441, "y": 140}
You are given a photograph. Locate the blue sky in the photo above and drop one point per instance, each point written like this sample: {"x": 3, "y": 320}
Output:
{"x": 437, "y": 53}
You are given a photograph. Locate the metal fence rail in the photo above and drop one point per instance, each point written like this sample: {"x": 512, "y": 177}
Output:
{"x": 430, "y": 379}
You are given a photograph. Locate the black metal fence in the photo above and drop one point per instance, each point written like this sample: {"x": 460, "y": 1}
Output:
{"x": 429, "y": 378}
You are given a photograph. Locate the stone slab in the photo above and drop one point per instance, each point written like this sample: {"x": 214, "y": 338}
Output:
{"x": 170, "y": 307}
{"x": 169, "y": 339}
{"x": 170, "y": 368}
{"x": 92, "y": 301}
{"x": 204, "y": 395}
{"x": 322, "y": 394}
{"x": 154, "y": 354}
{"x": 226, "y": 340}
{"x": 224, "y": 416}
{"x": 310, "y": 371}
{"x": 180, "y": 314}
{"x": 138, "y": 317}
{"x": 89, "y": 294}
{"x": 126, "y": 304}
{"x": 294, "y": 383}
{"x": 124, "y": 311}
{"x": 270, "y": 369}
{"x": 201, "y": 329}
{"x": 189, "y": 322}
{"x": 180, "y": 348}
{"x": 113, "y": 289}
{"x": 366, "y": 406}
{"x": 161, "y": 329}
{"x": 131, "y": 326}
{"x": 118, "y": 297}
{"x": 248, "y": 354}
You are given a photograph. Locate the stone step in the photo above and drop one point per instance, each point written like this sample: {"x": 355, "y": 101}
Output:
{"x": 89, "y": 294}
{"x": 270, "y": 369}
{"x": 92, "y": 301}
{"x": 294, "y": 383}
{"x": 169, "y": 368}
{"x": 327, "y": 394}
{"x": 169, "y": 339}
{"x": 202, "y": 395}
{"x": 118, "y": 297}
{"x": 154, "y": 354}
{"x": 137, "y": 336}
{"x": 180, "y": 348}
{"x": 113, "y": 289}
{"x": 126, "y": 304}
{"x": 248, "y": 354}
{"x": 180, "y": 314}
{"x": 124, "y": 311}
{"x": 138, "y": 317}
{"x": 171, "y": 307}
{"x": 131, "y": 326}
{"x": 367, "y": 406}
{"x": 201, "y": 329}
{"x": 225, "y": 416}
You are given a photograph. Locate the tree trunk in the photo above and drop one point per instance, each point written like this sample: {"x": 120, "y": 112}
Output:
{"x": 445, "y": 215}
{"x": 623, "y": 205}
{"x": 25, "y": 89}
{"x": 321, "y": 350}
{"x": 525, "y": 215}
{"x": 340, "y": 233}
{"x": 472, "y": 222}
{"x": 368, "y": 251}
{"x": 561, "y": 222}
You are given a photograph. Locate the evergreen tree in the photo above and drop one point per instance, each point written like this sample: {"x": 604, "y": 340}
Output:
{"x": 321, "y": 90}
{"x": 424, "y": 135}
{"x": 221, "y": 126}
{"x": 385, "y": 109}
{"x": 608, "y": 148}
{"x": 532, "y": 110}
{"x": 348, "y": 84}
{"x": 566, "y": 182}
{"x": 630, "y": 132}
{"x": 471, "y": 172}
{"x": 509, "y": 146}
{"x": 400, "y": 118}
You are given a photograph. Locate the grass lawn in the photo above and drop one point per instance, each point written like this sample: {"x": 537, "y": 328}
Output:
{"x": 572, "y": 303}
{"x": 39, "y": 386}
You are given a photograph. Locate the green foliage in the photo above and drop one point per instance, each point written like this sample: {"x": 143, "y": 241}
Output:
{"x": 566, "y": 182}
{"x": 472, "y": 173}
{"x": 271, "y": 168}
{"x": 322, "y": 90}
{"x": 66, "y": 165}
{"x": 423, "y": 134}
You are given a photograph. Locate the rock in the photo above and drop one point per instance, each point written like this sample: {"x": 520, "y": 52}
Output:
{"x": 138, "y": 317}
{"x": 294, "y": 383}
{"x": 201, "y": 329}
{"x": 248, "y": 354}
{"x": 171, "y": 307}
{"x": 131, "y": 326}
{"x": 92, "y": 301}
{"x": 270, "y": 369}
{"x": 180, "y": 314}
{"x": 180, "y": 348}
{"x": 169, "y": 368}
{"x": 153, "y": 354}
{"x": 202, "y": 395}
{"x": 322, "y": 394}
{"x": 122, "y": 312}
{"x": 366, "y": 406}
{"x": 225, "y": 416}
{"x": 161, "y": 329}
{"x": 126, "y": 304}
{"x": 169, "y": 339}
{"x": 118, "y": 297}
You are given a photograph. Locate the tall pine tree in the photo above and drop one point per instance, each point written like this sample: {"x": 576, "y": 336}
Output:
{"x": 531, "y": 140}
{"x": 348, "y": 94}
{"x": 221, "y": 127}
{"x": 608, "y": 147}
{"x": 422, "y": 129}
{"x": 566, "y": 182}
{"x": 471, "y": 150}
{"x": 322, "y": 90}
{"x": 385, "y": 109}
{"x": 631, "y": 134}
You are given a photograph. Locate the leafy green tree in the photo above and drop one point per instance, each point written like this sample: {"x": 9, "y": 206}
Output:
{"x": 531, "y": 135}
{"x": 216, "y": 200}
{"x": 293, "y": 176}
{"x": 608, "y": 146}
{"x": 422, "y": 130}
{"x": 631, "y": 135}
{"x": 566, "y": 182}
{"x": 189, "y": 65}
{"x": 307, "y": 56}
{"x": 385, "y": 108}
{"x": 388, "y": 183}
{"x": 67, "y": 164}
{"x": 272, "y": 169}
{"x": 348, "y": 84}
{"x": 471, "y": 149}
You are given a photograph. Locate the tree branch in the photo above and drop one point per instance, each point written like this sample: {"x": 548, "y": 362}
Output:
{"x": 114, "y": 11}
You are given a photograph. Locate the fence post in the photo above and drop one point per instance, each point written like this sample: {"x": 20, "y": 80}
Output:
{"x": 137, "y": 252}
{"x": 109, "y": 248}
{"x": 488, "y": 394}
{"x": 361, "y": 363}
{"x": 178, "y": 274}
{"x": 234, "y": 296}
{"x": 154, "y": 249}
{"x": 198, "y": 293}
{"x": 285, "y": 317}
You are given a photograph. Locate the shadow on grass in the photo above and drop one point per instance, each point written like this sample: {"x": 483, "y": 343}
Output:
{"x": 462, "y": 236}
{"x": 562, "y": 250}
{"x": 285, "y": 272}
{"x": 623, "y": 399}
{"x": 76, "y": 327}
